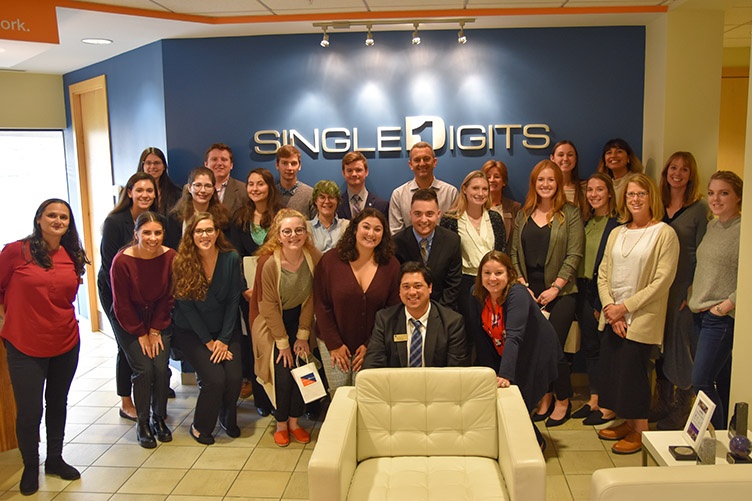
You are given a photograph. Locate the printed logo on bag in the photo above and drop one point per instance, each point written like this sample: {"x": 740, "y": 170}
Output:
{"x": 308, "y": 379}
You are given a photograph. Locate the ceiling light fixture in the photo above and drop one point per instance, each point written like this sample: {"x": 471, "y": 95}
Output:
{"x": 461, "y": 38}
{"x": 325, "y": 40}
{"x": 96, "y": 41}
{"x": 369, "y": 37}
{"x": 416, "y": 37}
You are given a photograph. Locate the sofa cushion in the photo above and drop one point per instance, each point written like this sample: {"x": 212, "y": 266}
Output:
{"x": 422, "y": 478}
{"x": 429, "y": 412}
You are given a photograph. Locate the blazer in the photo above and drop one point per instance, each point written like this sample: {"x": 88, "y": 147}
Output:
{"x": 381, "y": 205}
{"x": 497, "y": 225}
{"x": 531, "y": 348}
{"x": 565, "y": 248}
{"x": 445, "y": 342}
{"x": 444, "y": 261}
{"x": 117, "y": 231}
{"x": 592, "y": 292}
{"x": 235, "y": 195}
{"x": 648, "y": 305}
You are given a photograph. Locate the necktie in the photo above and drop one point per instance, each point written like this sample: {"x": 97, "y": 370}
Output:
{"x": 416, "y": 345}
{"x": 424, "y": 250}
{"x": 355, "y": 204}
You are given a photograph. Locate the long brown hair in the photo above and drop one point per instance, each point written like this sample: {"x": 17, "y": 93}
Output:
{"x": 347, "y": 249}
{"x": 184, "y": 209}
{"x": 692, "y": 193}
{"x": 579, "y": 197}
{"x": 188, "y": 278}
{"x": 243, "y": 217}
{"x": 125, "y": 202}
{"x": 612, "y": 202}
{"x": 532, "y": 201}
{"x": 480, "y": 292}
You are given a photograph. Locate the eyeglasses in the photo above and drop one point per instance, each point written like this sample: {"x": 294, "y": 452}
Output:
{"x": 150, "y": 163}
{"x": 637, "y": 194}
{"x": 206, "y": 231}
{"x": 287, "y": 232}
{"x": 199, "y": 187}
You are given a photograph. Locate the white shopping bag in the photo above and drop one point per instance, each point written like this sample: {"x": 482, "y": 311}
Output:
{"x": 308, "y": 380}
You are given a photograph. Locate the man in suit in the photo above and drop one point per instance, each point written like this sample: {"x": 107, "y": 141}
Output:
{"x": 295, "y": 194}
{"x": 419, "y": 332}
{"x": 356, "y": 197}
{"x": 438, "y": 248}
{"x": 231, "y": 192}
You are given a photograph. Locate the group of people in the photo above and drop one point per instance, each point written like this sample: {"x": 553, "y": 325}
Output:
{"x": 244, "y": 280}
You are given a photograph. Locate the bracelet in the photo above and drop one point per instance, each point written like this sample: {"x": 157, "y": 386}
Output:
{"x": 718, "y": 309}
{"x": 556, "y": 286}
{"x": 155, "y": 333}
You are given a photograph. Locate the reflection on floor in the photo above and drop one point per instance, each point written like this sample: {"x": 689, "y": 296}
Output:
{"x": 114, "y": 467}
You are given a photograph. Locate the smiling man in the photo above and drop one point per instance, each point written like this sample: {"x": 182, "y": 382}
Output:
{"x": 231, "y": 192}
{"x": 422, "y": 162}
{"x": 419, "y": 332}
{"x": 438, "y": 248}
{"x": 356, "y": 197}
{"x": 295, "y": 194}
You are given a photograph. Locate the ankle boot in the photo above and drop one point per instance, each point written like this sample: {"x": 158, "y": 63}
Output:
{"x": 681, "y": 406}
{"x": 662, "y": 397}
{"x": 30, "y": 479}
{"x": 57, "y": 466}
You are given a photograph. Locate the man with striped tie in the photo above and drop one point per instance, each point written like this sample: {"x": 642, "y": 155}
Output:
{"x": 355, "y": 197}
{"x": 419, "y": 332}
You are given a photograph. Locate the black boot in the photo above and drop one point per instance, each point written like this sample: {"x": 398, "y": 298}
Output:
{"x": 57, "y": 466}
{"x": 160, "y": 429}
{"x": 145, "y": 436}
{"x": 662, "y": 397}
{"x": 30, "y": 479}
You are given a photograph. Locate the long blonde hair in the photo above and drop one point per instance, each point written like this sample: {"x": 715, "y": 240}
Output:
{"x": 460, "y": 205}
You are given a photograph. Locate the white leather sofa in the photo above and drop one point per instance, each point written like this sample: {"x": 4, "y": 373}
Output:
{"x": 433, "y": 433}
{"x": 660, "y": 483}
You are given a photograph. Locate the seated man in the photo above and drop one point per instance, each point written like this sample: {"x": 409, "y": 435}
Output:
{"x": 419, "y": 332}
{"x": 436, "y": 247}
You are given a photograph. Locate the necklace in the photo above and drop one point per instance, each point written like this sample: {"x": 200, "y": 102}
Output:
{"x": 644, "y": 230}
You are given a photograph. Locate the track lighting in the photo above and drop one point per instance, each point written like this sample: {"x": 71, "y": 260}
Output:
{"x": 369, "y": 37}
{"x": 416, "y": 37}
{"x": 461, "y": 38}
{"x": 325, "y": 39}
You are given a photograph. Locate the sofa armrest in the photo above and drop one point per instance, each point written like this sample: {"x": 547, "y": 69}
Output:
{"x": 520, "y": 458}
{"x": 333, "y": 462}
{"x": 688, "y": 483}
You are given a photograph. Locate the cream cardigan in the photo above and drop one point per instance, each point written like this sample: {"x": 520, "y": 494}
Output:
{"x": 648, "y": 305}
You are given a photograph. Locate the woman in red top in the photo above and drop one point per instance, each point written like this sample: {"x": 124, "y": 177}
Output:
{"x": 141, "y": 283}
{"x": 39, "y": 278}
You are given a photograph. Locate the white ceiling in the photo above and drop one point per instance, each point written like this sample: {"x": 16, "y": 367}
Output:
{"x": 215, "y": 19}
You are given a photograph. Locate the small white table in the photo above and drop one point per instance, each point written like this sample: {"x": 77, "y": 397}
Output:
{"x": 655, "y": 448}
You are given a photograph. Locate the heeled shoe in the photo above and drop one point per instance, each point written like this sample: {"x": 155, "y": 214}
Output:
{"x": 550, "y": 423}
{"x": 57, "y": 466}
{"x": 145, "y": 436}
{"x": 160, "y": 429}
{"x": 200, "y": 437}
{"x": 541, "y": 417}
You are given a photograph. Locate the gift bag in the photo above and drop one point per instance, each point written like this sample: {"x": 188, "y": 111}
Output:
{"x": 308, "y": 380}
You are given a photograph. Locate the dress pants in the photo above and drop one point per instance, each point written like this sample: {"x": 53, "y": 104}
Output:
{"x": 28, "y": 376}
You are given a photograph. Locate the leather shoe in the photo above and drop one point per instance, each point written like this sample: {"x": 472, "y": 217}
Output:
{"x": 541, "y": 417}
{"x": 170, "y": 393}
{"x": 300, "y": 435}
{"x": 615, "y": 433}
{"x": 246, "y": 390}
{"x": 595, "y": 418}
{"x": 282, "y": 438}
{"x": 550, "y": 423}
{"x": 263, "y": 411}
{"x": 200, "y": 437}
{"x": 582, "y": 412}
{"x": 233, "y": 431}
{"x": 126, "y": 416}
{"x": 145, "y": 436}
{"x": 57, "y": 466}
{"x": 628, "y": 445}
{"x": 160, "y": 429}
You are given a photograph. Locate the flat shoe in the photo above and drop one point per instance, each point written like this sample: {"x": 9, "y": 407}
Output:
{"x": 58, "y": 467}
{"x": 126, "y": 416}
{"x": 595, "y": 418}
{"x": 232, "y": 431}
{"x": 615, "y": 433}
{"x": 300, "y": 435}
{"x": 263, "y": 411}
{"x": 582, "y": 412}
{"x": 540, "y": 417}
{"x": 628, "y": 445}
{"x": 246, "y": 390}
{"x": 145, "y": 436}
{"x": 160, "y": 430}
{"x": 282, "y": 438}
{"x": 551, "y": 422}
{"x": 201, "y": 438}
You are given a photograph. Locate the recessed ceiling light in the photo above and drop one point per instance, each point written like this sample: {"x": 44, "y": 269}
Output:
{"x": 96, "y": 41}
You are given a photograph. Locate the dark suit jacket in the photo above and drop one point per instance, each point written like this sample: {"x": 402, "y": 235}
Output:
{"x": 235, "y": 195}
{"x": 445, "y": 343}
{"x": 444, "y": 261}
{"x": 372, "y": 200}
{"x": 117, "y": 231}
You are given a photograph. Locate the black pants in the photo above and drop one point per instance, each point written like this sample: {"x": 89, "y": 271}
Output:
{"x": 151, "y": 376}
{"x": 289, "y": 400}
{"x": 219, "y": 384}
{"x": 590, "y": 336}
{"x": 123, "y": 371}
{"x": 28, "y": 376}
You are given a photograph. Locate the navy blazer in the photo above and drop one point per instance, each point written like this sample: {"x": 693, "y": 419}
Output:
{"x": 117, "y": 232}
{"x": 381, "y": 205}
{"x": 445, "y": 341}
{"x": 444, "y": 261}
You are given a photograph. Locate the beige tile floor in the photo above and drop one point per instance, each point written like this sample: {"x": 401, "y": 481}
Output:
{"x": 113, "y": 466}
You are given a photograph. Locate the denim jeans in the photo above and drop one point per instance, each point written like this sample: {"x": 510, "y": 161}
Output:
{"x": 711, "y": 371}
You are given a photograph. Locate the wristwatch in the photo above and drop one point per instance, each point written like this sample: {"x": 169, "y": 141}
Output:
{"x": 554, "y": 284}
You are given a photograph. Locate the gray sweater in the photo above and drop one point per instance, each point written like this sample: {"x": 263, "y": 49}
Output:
{"x": 717, "y": 266}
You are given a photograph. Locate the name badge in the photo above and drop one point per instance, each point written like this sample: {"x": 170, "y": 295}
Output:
{"x": 400, "y": 338}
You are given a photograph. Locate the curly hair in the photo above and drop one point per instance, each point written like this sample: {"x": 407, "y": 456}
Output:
{"x": 188, "y": 278}
{"x": 273, "y": 241}
{"x": 347, "y": 248}
{"x": 243, "y": 217}
{"x": 36, "y": 250}
{"x": 532, "y": 201}
{"x": 184, "y": 209}
{"x": 479, "y": 291}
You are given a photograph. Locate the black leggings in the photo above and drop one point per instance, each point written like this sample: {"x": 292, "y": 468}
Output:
{"x": 28, "y": 376}
{"x": 289, "y": 400}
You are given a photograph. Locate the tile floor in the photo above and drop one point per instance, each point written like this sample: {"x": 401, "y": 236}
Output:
{"x": 114, "y": 467}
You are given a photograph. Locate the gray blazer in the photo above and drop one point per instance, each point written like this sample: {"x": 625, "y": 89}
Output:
{"x": 565, "y": 248}
{"x": 235, "y": 195}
